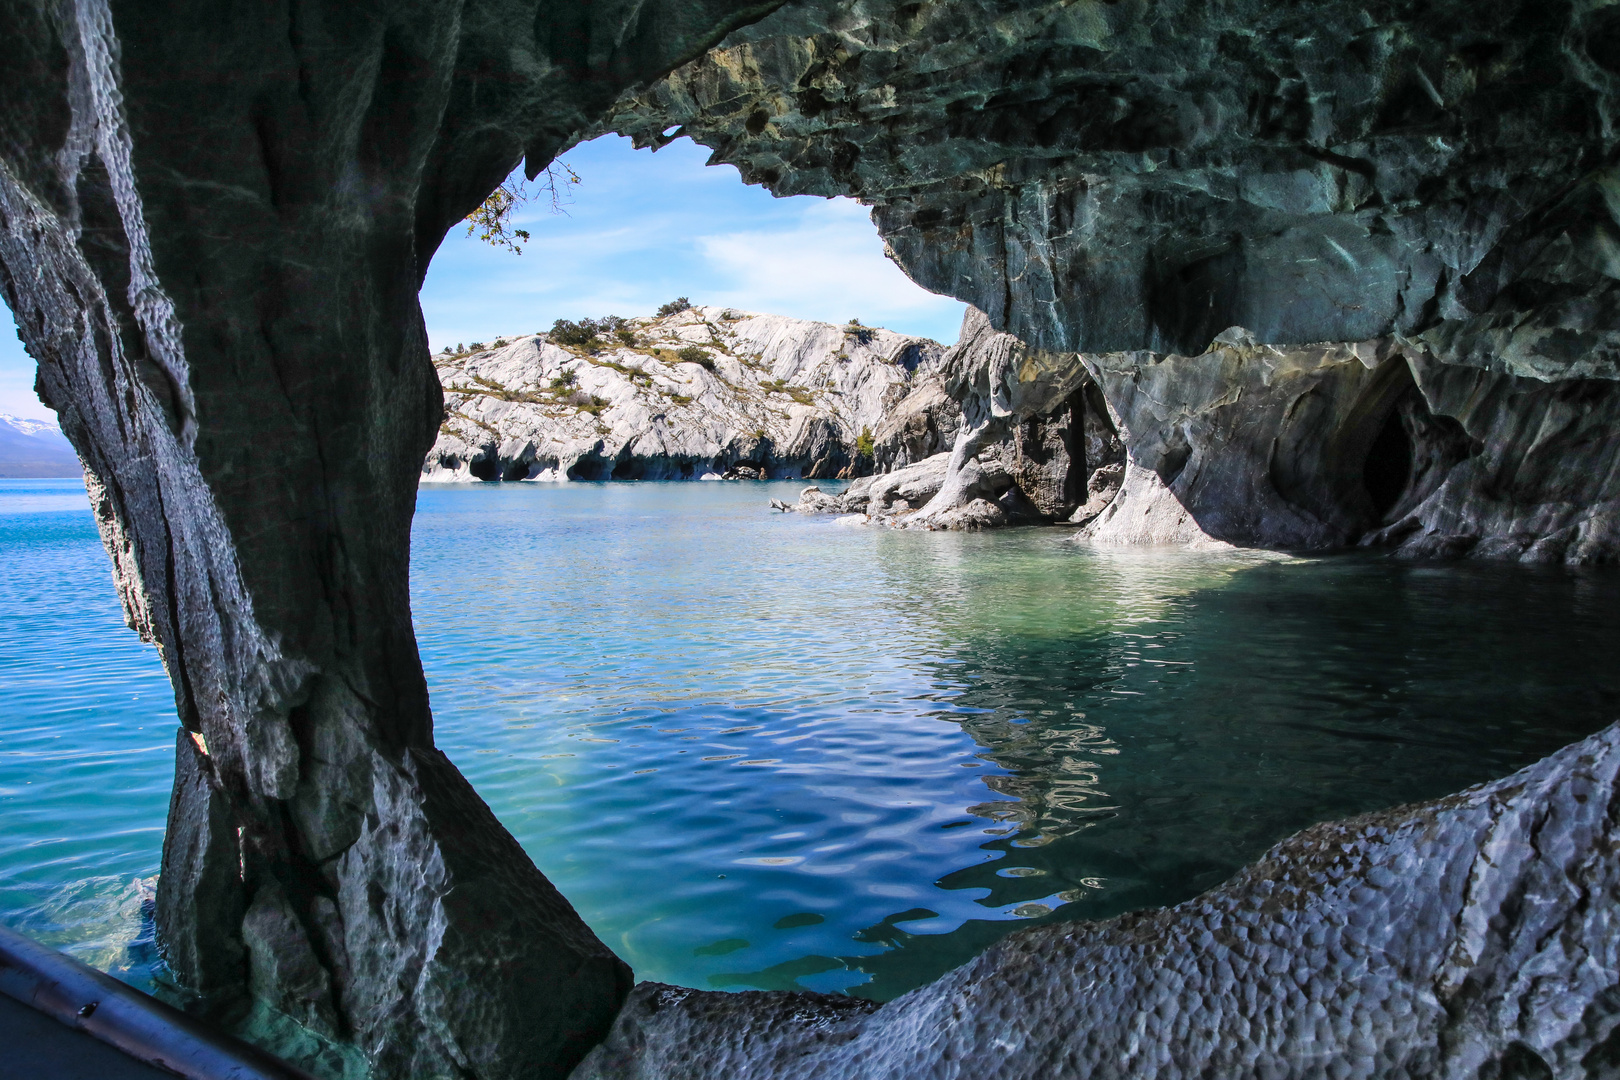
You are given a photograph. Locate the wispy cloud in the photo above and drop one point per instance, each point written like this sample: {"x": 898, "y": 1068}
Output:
{"x": 830, "y": 266}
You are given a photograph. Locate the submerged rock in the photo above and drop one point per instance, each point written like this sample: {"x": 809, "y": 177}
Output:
{"x": 760, "y": 397}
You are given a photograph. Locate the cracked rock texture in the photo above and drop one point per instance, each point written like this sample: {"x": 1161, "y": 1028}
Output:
{"x": 1030, "y": 440}
{"x": 780, "y": 398}
{"x": 1474, "y": 936}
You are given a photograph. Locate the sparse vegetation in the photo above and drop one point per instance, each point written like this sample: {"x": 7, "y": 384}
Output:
{"x": 780, "y": 386}
{"x": 675, "y": 306}
{"x": 587, "y": 333}
{"x": 691, "y": 354}
{"x": 864, "y": 445}
{"x": 614, "y": 364}
{"x": 477, "y": 346}
{"x": 565, "y": 381}
{"x": 626, "y": 336}
{"x": 492, "y": 221}
{"x": 500, "y": 343}
{"x": 491, "y": 388}
{"x": 680, "y": 399}
{"x": 863, "y": 335}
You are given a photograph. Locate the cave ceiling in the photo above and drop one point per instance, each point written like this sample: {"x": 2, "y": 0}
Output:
{"x": 1134, "y": 175}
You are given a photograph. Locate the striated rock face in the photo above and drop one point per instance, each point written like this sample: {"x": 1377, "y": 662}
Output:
{"x": 213, "y": 225}
{"x": 769, "y": 396}
{"x": 1124, "y": 176}
{"x": 1029, "y": 438}
{"x": 1110, "y": 178}
{"x": 1469, "y": 937}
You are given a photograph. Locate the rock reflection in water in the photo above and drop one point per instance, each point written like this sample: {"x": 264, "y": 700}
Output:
{"x": 760, "y": 751}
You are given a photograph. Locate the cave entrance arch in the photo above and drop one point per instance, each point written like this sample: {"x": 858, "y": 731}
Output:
{"x": 639, "y": 232}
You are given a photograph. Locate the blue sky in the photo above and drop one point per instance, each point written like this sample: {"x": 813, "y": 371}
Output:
{"x": 643, "y": 228}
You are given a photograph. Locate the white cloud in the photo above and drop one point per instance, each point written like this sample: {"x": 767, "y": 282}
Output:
{"x": 830, "y": 267}
{"x": 643, "y": 228}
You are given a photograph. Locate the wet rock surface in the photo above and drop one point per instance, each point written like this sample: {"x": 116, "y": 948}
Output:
{"x": 1471, "y": 936}
{"x": 1026, "y": 437}
{"x": 766, "y": 397}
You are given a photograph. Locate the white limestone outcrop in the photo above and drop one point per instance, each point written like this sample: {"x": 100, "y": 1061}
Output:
{"x": 769, "y": 397}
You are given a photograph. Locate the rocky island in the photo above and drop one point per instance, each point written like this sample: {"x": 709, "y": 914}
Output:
{"x": 694, "y": 393}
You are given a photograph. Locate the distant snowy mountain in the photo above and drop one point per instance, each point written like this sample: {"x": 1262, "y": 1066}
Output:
{"x": 35, "y": 448}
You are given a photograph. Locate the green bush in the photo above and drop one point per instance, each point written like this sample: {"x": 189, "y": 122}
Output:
{"x": 864, "y": 444}
{"x": 477, "y": 346}
{"x": 863, "y": 335}
{"x": 679, "y": 304}
{"x": 565, "y": 381}
{"x": 500, "y": 343}
{"x": 586, "y": 332}
{"x": 691, "y": 354}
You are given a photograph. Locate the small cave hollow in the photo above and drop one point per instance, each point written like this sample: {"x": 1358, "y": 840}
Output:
{"x": 486, "y": 467}
{"x": 1387, "y": 472}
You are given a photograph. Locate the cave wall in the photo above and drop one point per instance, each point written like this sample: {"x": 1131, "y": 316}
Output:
{"x": 1127, "y": 181}
{"x": 213, "y": 225}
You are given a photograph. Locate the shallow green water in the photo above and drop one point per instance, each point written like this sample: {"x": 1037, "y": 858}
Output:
{"x": 759, "y": 750}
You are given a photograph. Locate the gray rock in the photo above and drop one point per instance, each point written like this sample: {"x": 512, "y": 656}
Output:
{"x": 1375, "y": 443}
{"x": 1467, "y": 937}
{"x": 212, "y": 234}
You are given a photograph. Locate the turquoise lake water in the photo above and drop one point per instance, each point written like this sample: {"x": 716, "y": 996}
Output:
{"x": 759, "y": 750}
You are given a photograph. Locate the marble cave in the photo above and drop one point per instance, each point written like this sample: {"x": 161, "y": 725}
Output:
{"x": 1339, "y": 273}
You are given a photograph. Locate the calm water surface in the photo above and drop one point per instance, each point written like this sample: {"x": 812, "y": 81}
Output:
{"x": 769, "y": 751}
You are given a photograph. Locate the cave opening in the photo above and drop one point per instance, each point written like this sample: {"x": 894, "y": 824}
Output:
{"x": 485, "y": 467}
{"x": 1387, "y": 472}
{"x": 642, "y": 227}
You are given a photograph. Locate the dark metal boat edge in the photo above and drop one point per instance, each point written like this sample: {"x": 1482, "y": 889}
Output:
{"x": 123, "y": 1017}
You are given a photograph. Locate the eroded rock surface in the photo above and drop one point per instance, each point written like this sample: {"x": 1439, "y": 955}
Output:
{"x": 212, "y": 229}
{"x": 769, "y": 397}
{"x": 1030, "y": 441}
{"x": 1473, "y": 936}
{"x": 213, "y": 226}
{"x": 1136, "y": 180}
